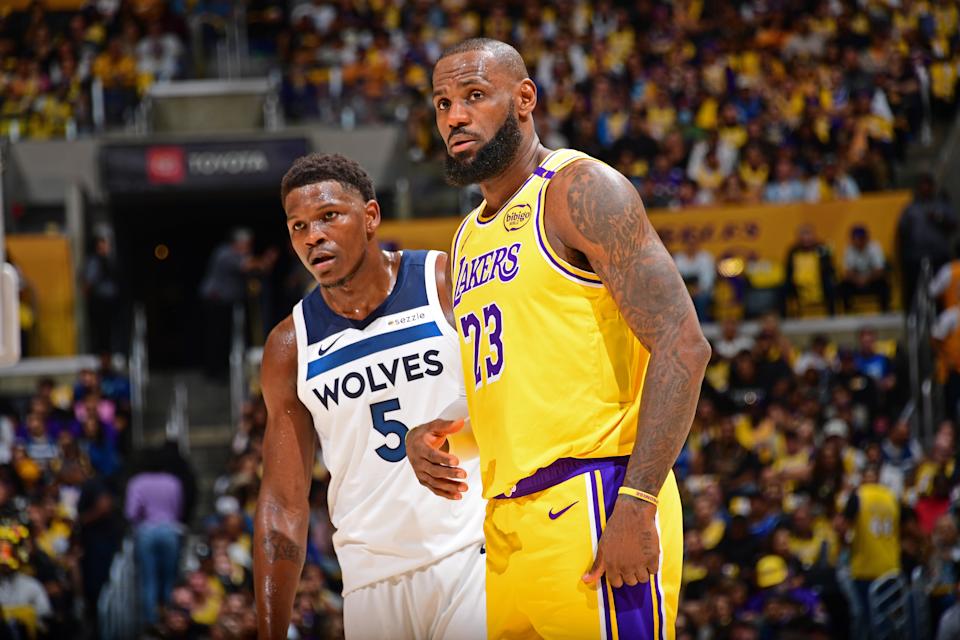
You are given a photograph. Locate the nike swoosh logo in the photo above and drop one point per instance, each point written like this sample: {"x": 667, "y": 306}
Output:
{"x": 322, "y": 351}
{"x": 554, "y": 516}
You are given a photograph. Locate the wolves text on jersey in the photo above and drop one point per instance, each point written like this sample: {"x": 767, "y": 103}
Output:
{"x": 379, "y": 376}
{"x": 501, "y": 263}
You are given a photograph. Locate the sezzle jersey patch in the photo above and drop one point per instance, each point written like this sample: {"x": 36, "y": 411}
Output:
{"x": 501, "y": 263}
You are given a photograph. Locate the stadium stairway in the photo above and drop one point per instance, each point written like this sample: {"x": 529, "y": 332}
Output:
{"x": 922, "y": 158}
{"x": 204, "y": 418}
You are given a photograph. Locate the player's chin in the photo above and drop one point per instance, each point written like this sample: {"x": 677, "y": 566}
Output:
{"x": 328, "y": 278}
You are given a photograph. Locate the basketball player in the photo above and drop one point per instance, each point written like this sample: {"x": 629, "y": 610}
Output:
{"x": 368, "y": 352}
{"x": 583, "y": 361}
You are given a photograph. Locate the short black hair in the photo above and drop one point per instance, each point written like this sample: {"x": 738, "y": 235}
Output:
{"x": 320, "y": 167}
{"x": 504, "y": 54}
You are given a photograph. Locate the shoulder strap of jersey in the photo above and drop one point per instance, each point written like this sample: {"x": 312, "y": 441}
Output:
{"x": 547, "y": 170}
{"x": 300, "y": 330}
{"x": 560, "y": 159}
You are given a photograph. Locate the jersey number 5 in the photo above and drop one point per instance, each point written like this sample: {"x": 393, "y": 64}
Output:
{"x": 378, "y": 411}
{"x": 492, "y": 328}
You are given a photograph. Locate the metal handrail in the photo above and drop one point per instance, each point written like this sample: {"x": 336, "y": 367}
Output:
{"x": 237, "y": 356}
{"x": 139, "y": 373}
{"x": 178, "y": 423}
{"x": 924, "y": 391}
{"x": 118, "y": 606}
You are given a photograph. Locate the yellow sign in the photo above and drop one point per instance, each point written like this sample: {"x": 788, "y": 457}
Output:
{"x": 766, "y": 231}
{"x": 44, "y": 261}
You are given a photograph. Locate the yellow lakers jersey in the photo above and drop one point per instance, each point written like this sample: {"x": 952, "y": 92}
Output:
{"x": 876, "y": 536}
{"x": 551, "y": 368}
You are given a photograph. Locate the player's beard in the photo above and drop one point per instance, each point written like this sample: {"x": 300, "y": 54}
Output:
{"x": 491, "y": 159}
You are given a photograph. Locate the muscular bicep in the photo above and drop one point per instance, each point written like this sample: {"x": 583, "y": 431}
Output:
{"x": 598, "y": 213}
{"x": 290, "y": 442}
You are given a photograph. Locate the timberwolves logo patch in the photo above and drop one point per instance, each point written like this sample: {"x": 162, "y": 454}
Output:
{"x": 517, "y": 216}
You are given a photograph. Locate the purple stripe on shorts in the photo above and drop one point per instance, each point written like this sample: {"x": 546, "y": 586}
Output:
{"x": 634, "y": 605}
{"x": 603, "y": 579}
{"x": 656, "y": 585}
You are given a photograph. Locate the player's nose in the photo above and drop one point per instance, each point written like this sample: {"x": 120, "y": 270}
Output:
{"x": 458, "y": 115}
{"x": 316, "y": 233}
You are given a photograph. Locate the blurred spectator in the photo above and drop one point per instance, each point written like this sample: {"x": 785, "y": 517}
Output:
{"x": 945, "y": 335}
{"x": 224, "y": 285}
{"x": 809, "y": 271}
{"x": 731, "y": 341}
{"x": 98, "y": 443}
{"x": 872, "y": 514}
{"x": 949, "y": 626}
{"x": 100, "y": 533}
{"x": 876, "y": 365}
{"x": 117, "y": 71}
{"x": 114, "y": 385}
{"x": 864, "y": 270}
{"x": 38, "y": 444}
{"x": 924, "y": 232}
{"x": 24, "y": 601}
{"x": 154, "y": 507}
{"x": 901, "y": 451}
{"x": 944, "y": 563}
{"x": 159, "y": 53}
{"x": 697, "y": 268}
{"x": 814, "y": 358}
{"x": 102, "y": 288}
{"x": 786, "y": 186}
{"x": 832, "y": 183}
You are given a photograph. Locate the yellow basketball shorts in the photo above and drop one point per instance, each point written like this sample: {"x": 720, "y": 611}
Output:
{"x": 542, "y": 538}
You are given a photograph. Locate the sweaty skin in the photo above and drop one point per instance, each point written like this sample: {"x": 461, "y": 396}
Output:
{"x": 595, "y": 220}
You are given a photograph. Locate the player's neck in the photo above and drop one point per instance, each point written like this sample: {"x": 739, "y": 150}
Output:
{"x": 498, "y": 190}
{"x": 367, "y": 288}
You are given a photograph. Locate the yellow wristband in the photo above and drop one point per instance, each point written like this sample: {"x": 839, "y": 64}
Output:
{"x": 639, "y": 495}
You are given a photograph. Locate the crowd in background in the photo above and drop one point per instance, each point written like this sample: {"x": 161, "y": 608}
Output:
{"x": 698, "y": 102}
{"x": 50, "y": 60}
{"x": 792, "y": 449}
{"x": 62, "y": 455}
{"x": 784, "y": 435}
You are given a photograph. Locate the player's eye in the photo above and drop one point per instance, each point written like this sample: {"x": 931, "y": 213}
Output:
{"x": 298, "y": 226}
{"x": 330, "y": 215}
{"x": 476, "y": 94}
{"x": 443, "y": 105}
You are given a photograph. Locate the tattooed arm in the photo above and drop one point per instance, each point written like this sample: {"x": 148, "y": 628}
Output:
{"x": 597, "y": 221}
{"x": 289, "y": 446}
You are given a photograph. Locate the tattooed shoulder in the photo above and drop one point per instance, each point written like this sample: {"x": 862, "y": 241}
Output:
{"x": 602, "y": 204}
{"x": 604, "y": 209}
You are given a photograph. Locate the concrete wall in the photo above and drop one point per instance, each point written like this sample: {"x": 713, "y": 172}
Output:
{"x": 40, "y": 171}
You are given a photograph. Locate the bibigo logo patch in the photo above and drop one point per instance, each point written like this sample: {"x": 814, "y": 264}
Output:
{"x": 517, "y": 216}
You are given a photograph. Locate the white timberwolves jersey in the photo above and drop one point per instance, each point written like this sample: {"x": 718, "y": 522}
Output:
{"x": 366, "y": 383}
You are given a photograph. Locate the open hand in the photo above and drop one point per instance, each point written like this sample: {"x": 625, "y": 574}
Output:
{"x": 436, "y": 469}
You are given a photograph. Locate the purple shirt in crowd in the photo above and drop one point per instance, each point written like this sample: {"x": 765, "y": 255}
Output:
{"x": 154, "y": 498}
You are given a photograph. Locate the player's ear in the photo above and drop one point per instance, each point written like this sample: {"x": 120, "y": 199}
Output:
{"x": 371, "y": 216}
{"x": 526, "y": 98}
